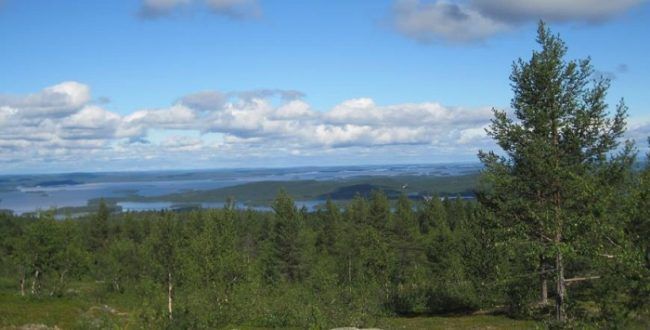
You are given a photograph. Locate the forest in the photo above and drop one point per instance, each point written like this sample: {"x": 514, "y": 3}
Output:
{"x": 559, "y": 233}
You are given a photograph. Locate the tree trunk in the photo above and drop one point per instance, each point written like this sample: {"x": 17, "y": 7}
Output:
{"x": 542, "y": 261}
{"x": 560, "y": 286}
{"x": 22, "y": 284}
{"x": 350, "y": 274}
{"x": 59, "y": 285}
{"x": 561, "y": 292}
{"x": 170, "y": 291}
{"x": 544, "y": 291}
{"x": 542, "y": 275}
{"x": 35, "y": 281}
{"x": 559, "y": 266}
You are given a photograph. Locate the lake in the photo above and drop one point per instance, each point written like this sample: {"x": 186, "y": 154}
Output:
{"x": 28, "y": 193}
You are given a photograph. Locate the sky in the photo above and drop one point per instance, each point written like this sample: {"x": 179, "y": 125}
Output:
{"x": 183, "y": 84}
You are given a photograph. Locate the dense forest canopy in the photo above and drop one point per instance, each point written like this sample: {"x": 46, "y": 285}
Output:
{"x": 560, "y": 232}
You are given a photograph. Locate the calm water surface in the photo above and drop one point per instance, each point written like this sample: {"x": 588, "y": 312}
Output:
{"x": 29, "y": 198}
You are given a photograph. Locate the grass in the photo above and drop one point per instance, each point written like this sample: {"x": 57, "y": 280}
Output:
{"x": 81, "y": 308}
{"x": 70, "y": 313}
{"x": 77, "y": 309}
{"x": 77, "y": 313}
{"x": 458, "y": 322}
{"x": 16, "y": 310}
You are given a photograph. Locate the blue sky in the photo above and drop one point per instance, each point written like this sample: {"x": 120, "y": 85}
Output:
{"x": 122, "y": 85}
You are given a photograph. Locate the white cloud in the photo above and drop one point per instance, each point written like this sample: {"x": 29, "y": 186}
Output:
{"x": 639, "y": 130}
{"x": 58, "y": 100}
{"x": 176, "y": 117}
{"x": 473, "y": 134}
{"x": 294, "y": 109}
{"x": 55, "y": 123}
{"x": 91, "y": 122}
{"x": 472, "y": 20}
{"x": 235, "y": 125}
{"x": 364, "y": 111}
{"x": 351, "y": 123}
{"x": 182, "y": 143}
{"x": 208, "y": 100}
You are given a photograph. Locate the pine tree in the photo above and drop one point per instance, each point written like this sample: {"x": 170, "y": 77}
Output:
{"x": 432, "y": 211}
{"x": 330, "y": 232}
{"x": 285, "y": 239}
{"x": 403, "y": 223}
{"x": 555, "y": 152}
{"x": 99, "y": 229}
{"x": 450, "y": 290}
{"x": 379, "y": 211}
{"x": 408, "y": 269}
{"x": 641, "y": 222}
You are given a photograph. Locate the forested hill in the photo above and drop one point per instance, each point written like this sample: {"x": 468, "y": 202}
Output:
{"x": 356, "y": 265}
{"x": 201, "y": 269}
{"x": 75, "y": 193}
{"x": 416, "y": 187}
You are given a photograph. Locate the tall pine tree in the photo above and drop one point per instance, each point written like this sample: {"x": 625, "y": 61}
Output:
{"x": 556, "y": 151}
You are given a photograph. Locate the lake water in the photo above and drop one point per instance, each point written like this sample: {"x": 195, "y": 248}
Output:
{"x": 40, "y": 198}
{"x": 28, "y": 193}
{"x": 155, "y": 206}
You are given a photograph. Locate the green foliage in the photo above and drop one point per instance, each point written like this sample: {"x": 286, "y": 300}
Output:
{"x": 557, "y": 189}
{"x": 233, "y": 268}
{"x": 284, "y": 257}
{"x": 98, "y": 233}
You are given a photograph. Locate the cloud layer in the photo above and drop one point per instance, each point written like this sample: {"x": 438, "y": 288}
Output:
{"x": 554, "y": 10}
{"x": 472, "y": 20}
{"x": 236, "y": 9}
{"x": 443, "y": 20}
{"x": 61, "y": 123}
{"x": 62, "y": 126}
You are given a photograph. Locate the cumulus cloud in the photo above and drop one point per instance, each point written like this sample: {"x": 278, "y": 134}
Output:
{"x": 236, "y": 9}
{"x": 443, "y": 20}
{"x": 178, "y": 116}
{"x": 182, "y": 143}
{"x": 232, "y": 124}
{"x": 266, "y": 93}
{"x": 356, "y": 122}
{"x": 59, "y": 122}
{"x": 297, "y": 109}
{"x": 639, "y": 131}
{"x": 554, "y": 10}
{"x": 91, "y": 122}
{"x": 472, "y": 134}
{"x": 472, "y": 20}
{"x": 58, "y": 100}
{"x": 208, "y": 100}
